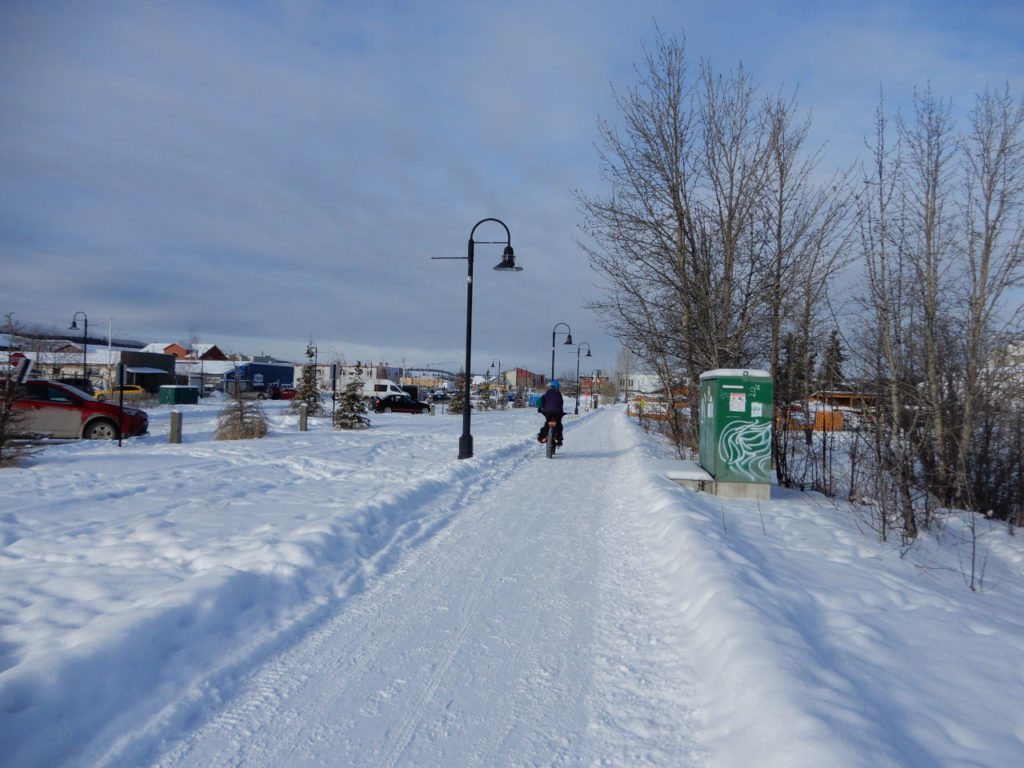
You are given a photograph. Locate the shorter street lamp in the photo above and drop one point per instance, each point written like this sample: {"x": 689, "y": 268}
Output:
{"x": 568, "y": 342}
{"x": 577, "y": 412}
{"x": 508, "y": 264}
{"x": 85, "y": 339}
{"x": 501, "y": 385}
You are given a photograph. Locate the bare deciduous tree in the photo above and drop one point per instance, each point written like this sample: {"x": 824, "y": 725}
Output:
{"x": 993, "y": 237}
{"x": 241, "y": 418}
{"x": 16, "y": 443}
{"x": 713, "y": 236}
{"x": 884, "y": 346}
{"x": 942, "y": 225}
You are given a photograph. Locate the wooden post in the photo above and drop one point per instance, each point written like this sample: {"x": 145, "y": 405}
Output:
{"x": 174, "y": 435}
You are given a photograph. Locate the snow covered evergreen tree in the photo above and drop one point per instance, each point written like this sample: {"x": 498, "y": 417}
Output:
{"x": 351, "y": 410}
{"x": 309, "y": 389}
{"x": 459, "y": 395}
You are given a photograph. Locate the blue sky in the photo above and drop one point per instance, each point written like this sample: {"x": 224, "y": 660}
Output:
{"x": 264, "y": 172}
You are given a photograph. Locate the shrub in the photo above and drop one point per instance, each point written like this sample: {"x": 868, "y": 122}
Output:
{"x": 241, "y": 419}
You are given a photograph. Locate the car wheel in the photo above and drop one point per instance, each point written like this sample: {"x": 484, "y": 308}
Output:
{"x": 101, "y": 398}
{"x": 101, "y": 430}
{"x": 387, "y": 410}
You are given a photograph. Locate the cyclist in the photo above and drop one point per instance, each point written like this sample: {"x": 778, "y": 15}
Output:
{"x": 551, "y": 406}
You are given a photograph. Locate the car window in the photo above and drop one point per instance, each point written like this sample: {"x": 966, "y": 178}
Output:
{"x": 32, "y": 390}
{"x": 80, "y": 392}
{"x": 41, "y": 391}
{"x": 58, "y": 395}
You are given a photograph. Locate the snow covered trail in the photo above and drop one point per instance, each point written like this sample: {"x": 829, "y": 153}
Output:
{"x": 494, "y": 642}
{"x": 520, "y": 633}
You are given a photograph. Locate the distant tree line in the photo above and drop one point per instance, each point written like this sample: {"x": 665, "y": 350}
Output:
{"x": 722, "y": 244}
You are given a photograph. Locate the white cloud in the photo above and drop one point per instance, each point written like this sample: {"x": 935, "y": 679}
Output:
{"x": 259, "y": 168}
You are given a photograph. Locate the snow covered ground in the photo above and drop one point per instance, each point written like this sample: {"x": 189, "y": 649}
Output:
{"x": 366, "y": 599}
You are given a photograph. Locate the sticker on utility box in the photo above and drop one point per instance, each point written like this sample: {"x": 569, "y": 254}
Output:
{"x": 756, "y": 411}
{"x": 737, "y": 402}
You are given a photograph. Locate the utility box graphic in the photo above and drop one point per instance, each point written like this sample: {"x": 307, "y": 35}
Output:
{"x": 736, "y": 431}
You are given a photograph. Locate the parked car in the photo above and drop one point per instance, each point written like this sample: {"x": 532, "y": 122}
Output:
{"x": 399, "y": 404}
{"x": 440, "y": 397}
{"x": 261, "y": 393}
{"x": 245, "y": 392}
{"x": 131, "y": 391}
{"x": 62, "y": 411}
{"x": 283, "y": 393}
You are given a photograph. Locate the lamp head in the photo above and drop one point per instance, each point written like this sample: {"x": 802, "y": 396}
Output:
{"x": 568, "y": 339}
{"x": 73, "y": 326}
{"x": 508, "y": 261}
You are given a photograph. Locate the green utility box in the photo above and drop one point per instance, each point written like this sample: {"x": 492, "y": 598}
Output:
{"x": 178, "y": 395}
{"x": 736, "y": 429}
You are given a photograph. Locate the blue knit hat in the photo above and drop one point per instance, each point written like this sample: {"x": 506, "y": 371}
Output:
{"x": 554, "y": 384}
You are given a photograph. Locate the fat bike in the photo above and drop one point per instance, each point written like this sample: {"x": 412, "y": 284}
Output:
{"x": 549, "y": 444}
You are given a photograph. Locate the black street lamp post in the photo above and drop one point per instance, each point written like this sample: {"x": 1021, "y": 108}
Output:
{"x": 508, "y": 264}
{"x": 577, "y": 412}
{"x": 568, "y": 342}
{"x": 85, "y": 339}
{"x": 501, "y": 386}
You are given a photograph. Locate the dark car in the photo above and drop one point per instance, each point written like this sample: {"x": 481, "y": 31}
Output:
{"x": 83, "y": 384}
{"x": 440, "y": 397}
{"x": 399, "y": 404}
{"x": 62, "y": 411}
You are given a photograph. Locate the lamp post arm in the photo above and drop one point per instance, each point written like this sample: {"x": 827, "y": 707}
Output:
{"x": 508, "y": 235}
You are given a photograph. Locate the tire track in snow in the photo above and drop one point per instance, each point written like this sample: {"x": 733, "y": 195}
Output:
{"x": 468, "y": 615}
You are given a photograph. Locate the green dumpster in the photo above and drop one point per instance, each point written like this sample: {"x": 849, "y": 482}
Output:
{"x": 736, "y": 425}
{"x": 178, "y": 395}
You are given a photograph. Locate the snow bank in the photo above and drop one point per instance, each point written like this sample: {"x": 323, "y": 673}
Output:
{"x": 823, "y": 647}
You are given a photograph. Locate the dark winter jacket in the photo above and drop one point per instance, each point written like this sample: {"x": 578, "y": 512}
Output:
{"x": 551, "y": 402}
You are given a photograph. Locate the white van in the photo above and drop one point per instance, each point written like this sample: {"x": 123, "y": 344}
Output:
{"x": 381, "y": 388}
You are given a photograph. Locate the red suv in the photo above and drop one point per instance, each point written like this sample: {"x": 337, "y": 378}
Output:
{"x": 63, "y": 411}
